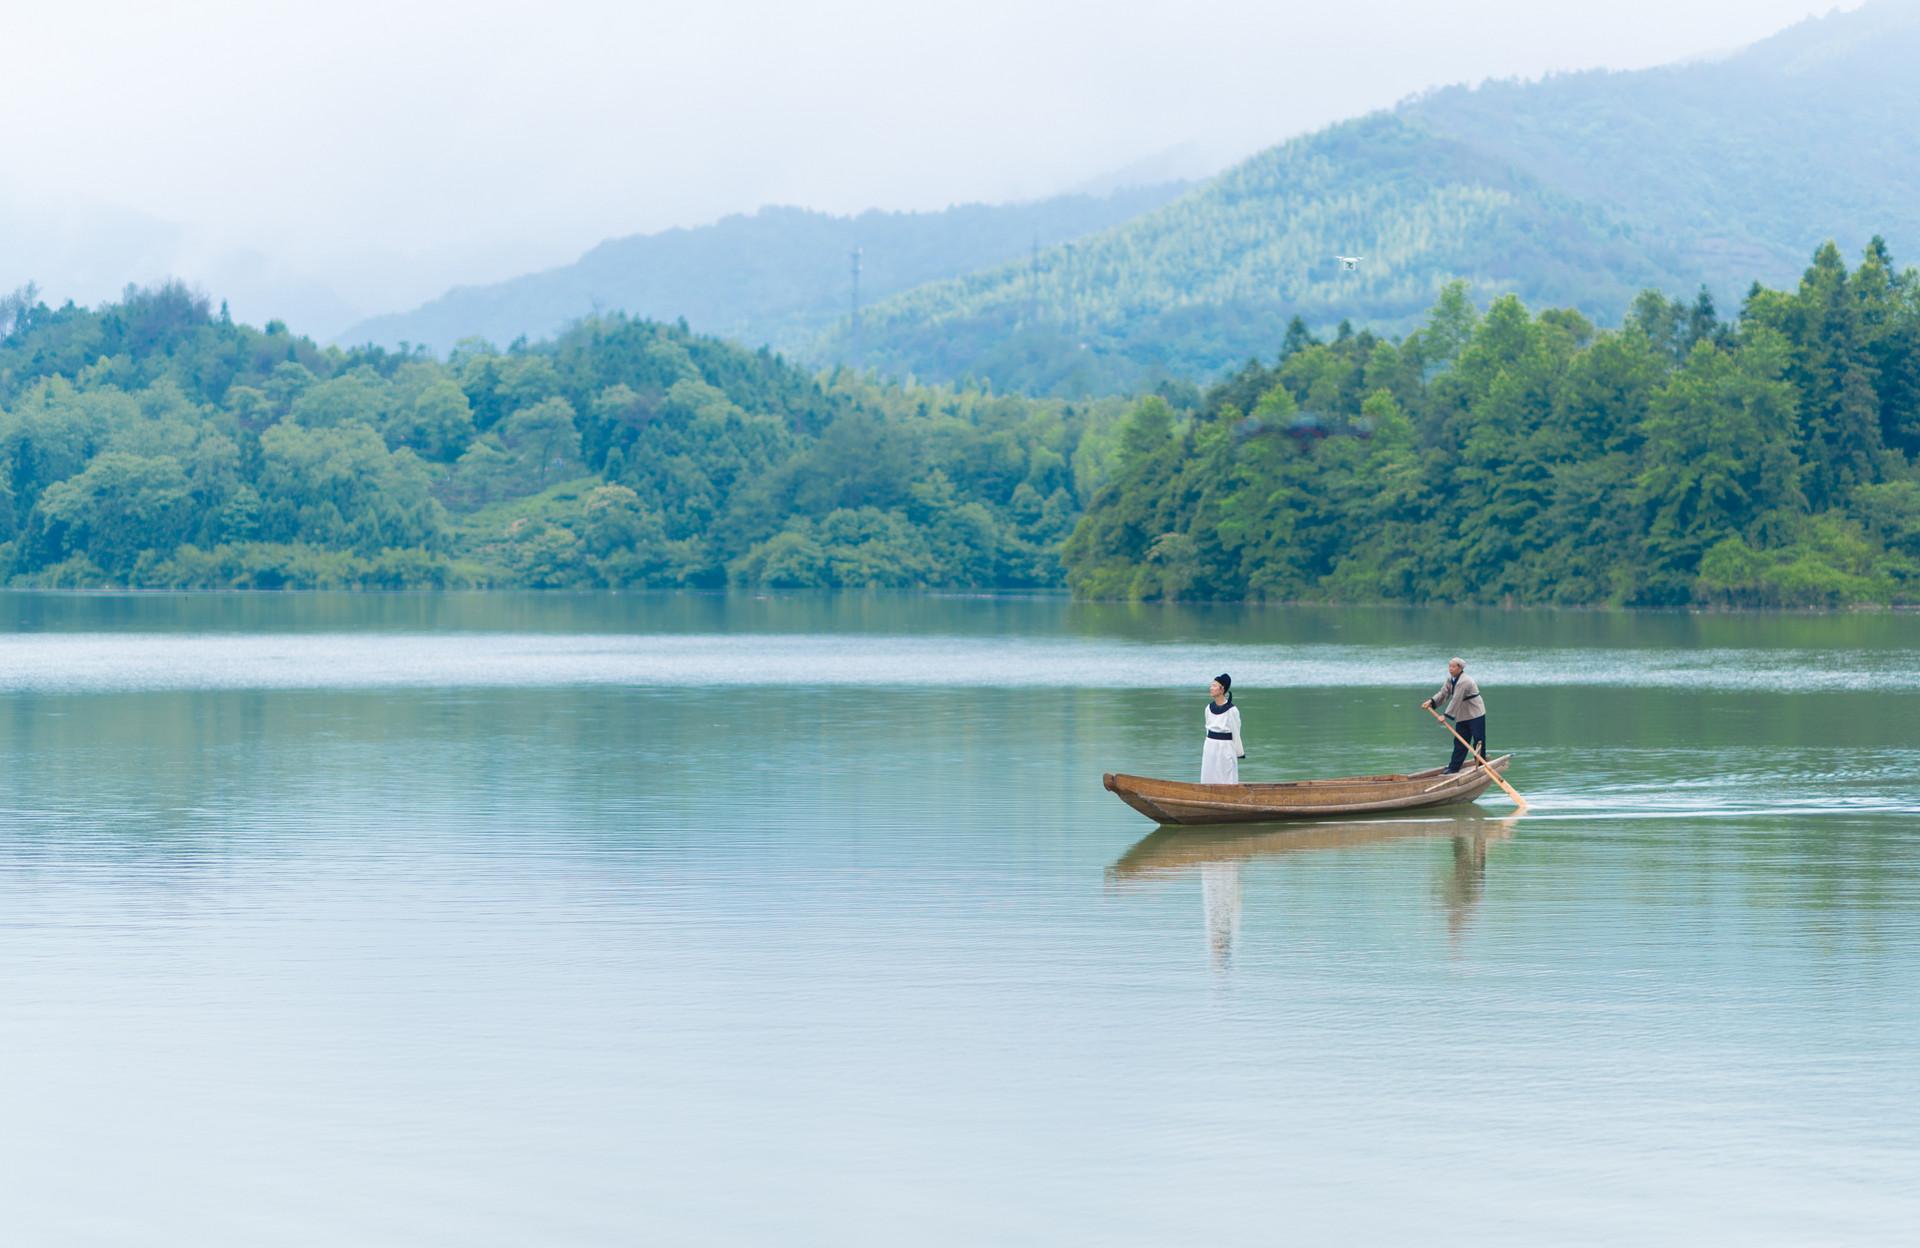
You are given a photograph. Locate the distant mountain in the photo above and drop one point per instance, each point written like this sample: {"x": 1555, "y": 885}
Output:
{"x": 780, "y": 275}
{"x": 1744, "y": 165}
{"x": 1577, "y": 190}
{"x": 1213, "y": 278}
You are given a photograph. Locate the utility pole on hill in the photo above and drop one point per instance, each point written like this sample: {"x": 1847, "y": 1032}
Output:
{"x": 1033, "y": 284}
{"x": 854, "y": 337}
{"x": 1067, "y": 314}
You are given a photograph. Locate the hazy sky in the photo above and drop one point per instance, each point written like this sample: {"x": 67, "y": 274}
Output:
{"x": 390, "y": 148}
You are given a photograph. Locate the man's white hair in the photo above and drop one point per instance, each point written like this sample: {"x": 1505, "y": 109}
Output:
{"x": 1457, "y": 659}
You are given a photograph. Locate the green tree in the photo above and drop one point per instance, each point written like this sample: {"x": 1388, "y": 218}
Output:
{"x": 1839, "y": 411}
{"x": 1720, "y": 456}
{"x": 436, "y": 425}
{"x": 544, "y": 556}
{"x": 342, "y": 487}
{"x": 543, "y": 441}
{"x": 119, "y": 508}
{"x": 358, "y": 397}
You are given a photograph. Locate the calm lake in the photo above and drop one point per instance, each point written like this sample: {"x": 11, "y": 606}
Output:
{"x": 549, "y": 920}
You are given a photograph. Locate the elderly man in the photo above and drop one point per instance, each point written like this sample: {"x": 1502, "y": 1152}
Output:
{"x": 1459, "y": 700}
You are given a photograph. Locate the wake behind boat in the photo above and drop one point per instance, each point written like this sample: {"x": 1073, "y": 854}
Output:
{"x": 1178, "y": 802}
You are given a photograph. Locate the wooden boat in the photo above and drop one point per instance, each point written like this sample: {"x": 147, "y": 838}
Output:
{"x": 1178, "y": 802}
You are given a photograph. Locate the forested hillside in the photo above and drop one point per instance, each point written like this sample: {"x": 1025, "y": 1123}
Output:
{"x": 1489, "y": 456}
{"x": 1574, "y": 192}
{"x": 1198, "y": 286}
{"x": 780, "y": 276}
{"x": 1511, "y": 457}
{"x": 156, "y": 443}
{"x": 1742, "y": 165}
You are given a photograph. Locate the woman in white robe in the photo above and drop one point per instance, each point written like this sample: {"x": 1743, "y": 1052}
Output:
{"x": 1220, "y": 763}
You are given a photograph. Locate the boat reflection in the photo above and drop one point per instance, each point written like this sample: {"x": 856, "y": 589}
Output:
{"x": 1219, "y": 854}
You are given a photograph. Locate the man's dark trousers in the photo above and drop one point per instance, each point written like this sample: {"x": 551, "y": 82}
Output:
{"x": 1474, "y": 730}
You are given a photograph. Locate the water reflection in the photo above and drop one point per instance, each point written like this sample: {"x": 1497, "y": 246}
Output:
{"x": 997, "y": 617}
{"x": 1220, "y": 901}
{"x": 1461, "y": 887}
{"x": 1219, "y": 856}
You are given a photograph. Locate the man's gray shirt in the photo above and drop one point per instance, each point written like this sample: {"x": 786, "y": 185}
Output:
{"x": 1460, "y": 699}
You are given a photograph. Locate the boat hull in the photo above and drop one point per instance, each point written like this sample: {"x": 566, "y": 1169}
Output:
{"x": 1178, "y": 802}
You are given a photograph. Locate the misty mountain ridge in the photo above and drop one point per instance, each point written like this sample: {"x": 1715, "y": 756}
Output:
{"x": 1578, "y": 190}
{"x": 779, "y": 276}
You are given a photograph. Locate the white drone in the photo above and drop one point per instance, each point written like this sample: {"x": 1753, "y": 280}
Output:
{"x": 1350, "y": 264}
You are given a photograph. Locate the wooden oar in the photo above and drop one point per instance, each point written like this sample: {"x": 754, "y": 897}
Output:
{"x": 1512, "y": 792}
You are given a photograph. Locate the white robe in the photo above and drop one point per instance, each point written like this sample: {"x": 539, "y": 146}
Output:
{"x": 1220, "y": 762}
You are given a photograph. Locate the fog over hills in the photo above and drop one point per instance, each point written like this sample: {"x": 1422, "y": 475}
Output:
{"x": 89, "y": 253}
{"x": 1576, "y": 190}
{"x": 781, "y": 275}
{"x": 1743, "y": 164}
{"x": 388, "y": 154}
